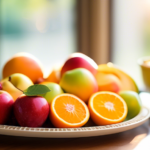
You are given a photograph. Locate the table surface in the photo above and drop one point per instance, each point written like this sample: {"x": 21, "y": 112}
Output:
{"x": 137, "y": 139}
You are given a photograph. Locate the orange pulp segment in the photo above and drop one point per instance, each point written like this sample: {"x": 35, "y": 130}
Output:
{"x": 68, "y": 111}
{"x": 107, "y": 108}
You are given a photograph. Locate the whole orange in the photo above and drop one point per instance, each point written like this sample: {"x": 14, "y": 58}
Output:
{"x": 24, "y": 63}
{"x": 54, "y": 75}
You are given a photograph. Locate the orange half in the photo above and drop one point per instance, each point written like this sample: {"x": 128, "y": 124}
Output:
{"x": 68, "y": 111}
{"x": 107, "y": 108}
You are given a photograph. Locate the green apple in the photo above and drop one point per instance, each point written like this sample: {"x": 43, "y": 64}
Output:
{"x": 55, "y": 90}
{"x": 19, "y": 81}
{"x": 79, "y": 82}
{"x": 133, "y": 102}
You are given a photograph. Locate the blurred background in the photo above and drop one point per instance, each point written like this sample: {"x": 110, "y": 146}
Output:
{"x": 115, "y": 31}
{"x": 44, "y": 28}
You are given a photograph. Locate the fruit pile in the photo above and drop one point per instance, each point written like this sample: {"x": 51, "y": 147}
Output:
{"x": 74, "y": 95}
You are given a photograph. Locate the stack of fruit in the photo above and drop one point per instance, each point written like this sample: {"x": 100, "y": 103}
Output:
{"x": 73, "y": 94}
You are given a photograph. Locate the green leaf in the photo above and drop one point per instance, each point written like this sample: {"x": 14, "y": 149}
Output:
{"x": 36, "y": 89}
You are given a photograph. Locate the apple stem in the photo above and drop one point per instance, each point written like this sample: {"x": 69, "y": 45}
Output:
{"x": 13, "y": 84}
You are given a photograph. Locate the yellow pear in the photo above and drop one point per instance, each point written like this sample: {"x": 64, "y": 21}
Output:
{"x": 16, "y": 83}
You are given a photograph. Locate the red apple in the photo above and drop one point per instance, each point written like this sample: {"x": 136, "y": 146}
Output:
{"x": 6, "y": 104}
{"x": 0, "y": 86}
{"x": 79, "y": 60}
{"x": 31, "y": 111}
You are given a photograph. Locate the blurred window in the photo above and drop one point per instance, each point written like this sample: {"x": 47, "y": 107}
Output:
{"x": 130, "y": 35}
{"x": 44, "y": 28}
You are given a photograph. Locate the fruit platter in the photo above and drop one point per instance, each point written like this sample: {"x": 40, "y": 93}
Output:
{"x": 77, "y": 99}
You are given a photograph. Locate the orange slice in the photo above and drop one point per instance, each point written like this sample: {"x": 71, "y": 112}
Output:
{"x": 68, "y": 111}
{"x": 107, "y": 108}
